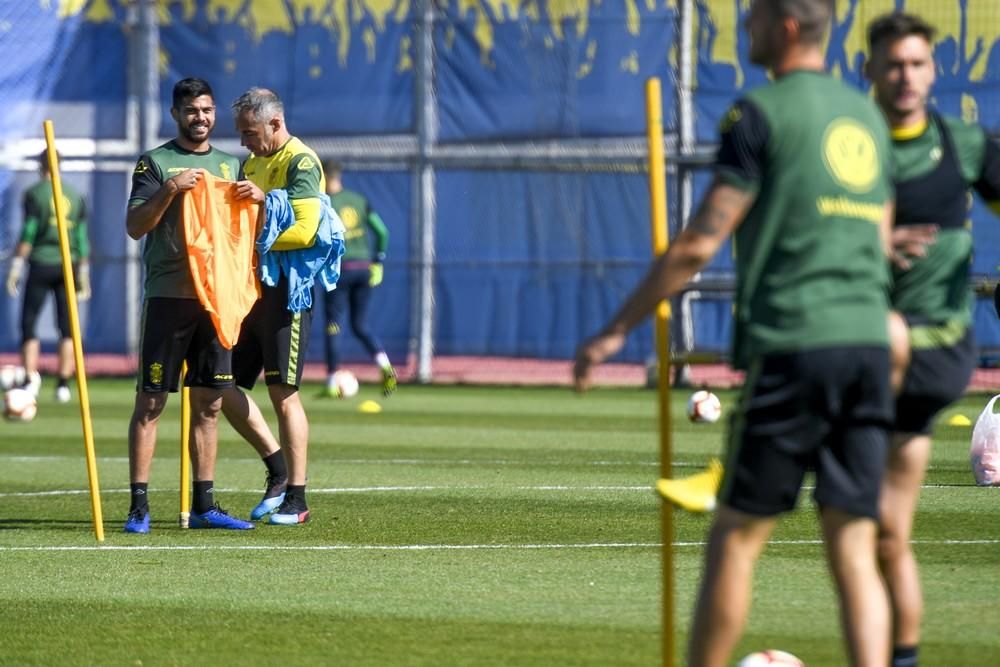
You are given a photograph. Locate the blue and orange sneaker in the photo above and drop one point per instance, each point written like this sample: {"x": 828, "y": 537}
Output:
{"x": 216, "y": 517}
{"x": 137, "y": 522}
{"x": 274, "y": 495}
{"x": 292, "y": 512}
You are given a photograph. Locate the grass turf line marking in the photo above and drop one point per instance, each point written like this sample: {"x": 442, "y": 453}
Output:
{"x": 438, "y": 547}
{"x": 343, "y": 547}
{"x": 503, "y": 462}
{"x": 349, "y": 489}
{"x": 391, "y": 489}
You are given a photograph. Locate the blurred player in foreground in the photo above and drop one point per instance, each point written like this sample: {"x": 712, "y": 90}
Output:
{"x": 802, "y": 178}
{"x": 39, "y": 249}
{"x": 938, "y": 160}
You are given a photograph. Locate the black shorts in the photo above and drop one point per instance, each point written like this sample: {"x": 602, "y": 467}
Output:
{"x": 942, "y": 361}
{"x": 273, "y": 339}
{"x": 828, "y": 410}
{"x": 175, "y": 331}
{"x": 42, "y": 280}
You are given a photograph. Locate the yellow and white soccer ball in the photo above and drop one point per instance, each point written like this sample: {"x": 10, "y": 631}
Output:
{"x": 19, "y": 405}
{"x": 346, "y": 383}
{"x": 772, "y": 657}
{"x": 704, "y": 407}
{"x": 11, "y": 376}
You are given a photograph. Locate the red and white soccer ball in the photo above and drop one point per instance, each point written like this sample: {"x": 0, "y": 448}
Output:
{"x": 772, "y": 657}
{"x": 19, "y": 405}
{"x": 11, "y": 376}
{"x": 346, "y": 383}
{"x": 704, "y": 407}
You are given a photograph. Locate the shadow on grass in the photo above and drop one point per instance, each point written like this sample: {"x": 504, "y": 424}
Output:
{"x": 44, "y": 524}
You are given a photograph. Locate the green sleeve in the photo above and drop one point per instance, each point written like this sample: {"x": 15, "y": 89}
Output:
{"x": 29, "y": 230}
{"x": 970, "y": 145}
{"x": 381, "y": 235}
{"x": 304, "y": 177}
{"x": 80, "y": 232}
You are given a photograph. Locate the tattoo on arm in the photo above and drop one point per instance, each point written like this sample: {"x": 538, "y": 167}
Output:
{"x": 720, "y": 211}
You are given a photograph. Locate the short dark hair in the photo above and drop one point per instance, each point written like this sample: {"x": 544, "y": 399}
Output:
{"x": 43, "y": 158}
{"x": 190, "y": 88}
{"x": 333, "y": 167}
{"x": 813, "y": 16}
{"x": 895, "y": 26}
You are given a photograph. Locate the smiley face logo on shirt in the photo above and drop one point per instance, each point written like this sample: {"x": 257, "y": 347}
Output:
{"x": 850, "y": 155}
{"x": 349, "y": 216}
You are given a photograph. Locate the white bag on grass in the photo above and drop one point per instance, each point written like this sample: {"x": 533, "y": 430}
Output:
{"x": 985, "y": 451}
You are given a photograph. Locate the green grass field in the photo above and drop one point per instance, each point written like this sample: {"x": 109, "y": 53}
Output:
{"x": 461, "y": 526}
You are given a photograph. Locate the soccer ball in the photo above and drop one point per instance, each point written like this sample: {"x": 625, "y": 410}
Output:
{"x": 771, "y": 657}
{"x": 19, "y": 405}
{"x": 11, "y": 376}
{"x": 704, "y": 407}
{"x": 346, "y": 383}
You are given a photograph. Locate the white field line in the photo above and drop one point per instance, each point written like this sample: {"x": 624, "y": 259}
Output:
{"x": 645, "y": 488}
{"x": 437, "y": 547}
{"x": 401, "y": 462}
{"x": 350, "y": 489}
{"x": 407, "y": 462}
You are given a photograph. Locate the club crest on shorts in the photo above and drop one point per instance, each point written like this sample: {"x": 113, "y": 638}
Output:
{"x": 156, "y": 373}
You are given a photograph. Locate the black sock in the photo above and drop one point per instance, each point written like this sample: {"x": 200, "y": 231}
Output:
{"x": 203, "y": 498}
{"x": 904, "y": 656}
{"x": 296, "y": 495}
{"x": 139, "y": 499}
{"x": 276, "y": 465}
{"x": 63, "y": 382}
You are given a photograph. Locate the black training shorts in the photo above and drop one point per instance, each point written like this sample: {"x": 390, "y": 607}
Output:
{"x": 273, "y": 339}
{"x": 44, "y": 279}
{"x": 942, "y": 361}
{"x": 828, "y": 410}
{"x": 175, "y": 331}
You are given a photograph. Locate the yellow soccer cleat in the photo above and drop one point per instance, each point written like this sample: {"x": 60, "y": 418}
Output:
{"x": 696, "y": 493}
{"x": 388, "y": 381}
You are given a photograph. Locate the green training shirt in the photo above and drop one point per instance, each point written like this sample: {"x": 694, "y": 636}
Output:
{"x": 358, "y": 218}
{"x": 811, "y": 271}
{"x": 41, "y": 231}
{"x": 165, "y": 253}
{"x": 935, "y": 174}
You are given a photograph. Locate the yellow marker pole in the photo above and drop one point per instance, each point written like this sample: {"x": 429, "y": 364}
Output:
{"x": 185, "y": 515}
{"x": 658, "y": 221}
{"x": 74, "y": 321}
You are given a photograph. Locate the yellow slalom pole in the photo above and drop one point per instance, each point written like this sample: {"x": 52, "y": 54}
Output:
{"x": 74, "y": 320}
{"x": 658, "y": 220}
{"x": 185, "y": 515}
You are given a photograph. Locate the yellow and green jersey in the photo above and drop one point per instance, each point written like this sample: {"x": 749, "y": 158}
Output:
{"x": 41, "y": 230}
{"x": 811, "y": 269}
{"x": 294, "y": 168}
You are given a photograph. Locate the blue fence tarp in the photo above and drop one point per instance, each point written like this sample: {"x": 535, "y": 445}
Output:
{"x": 527, "y": 262}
